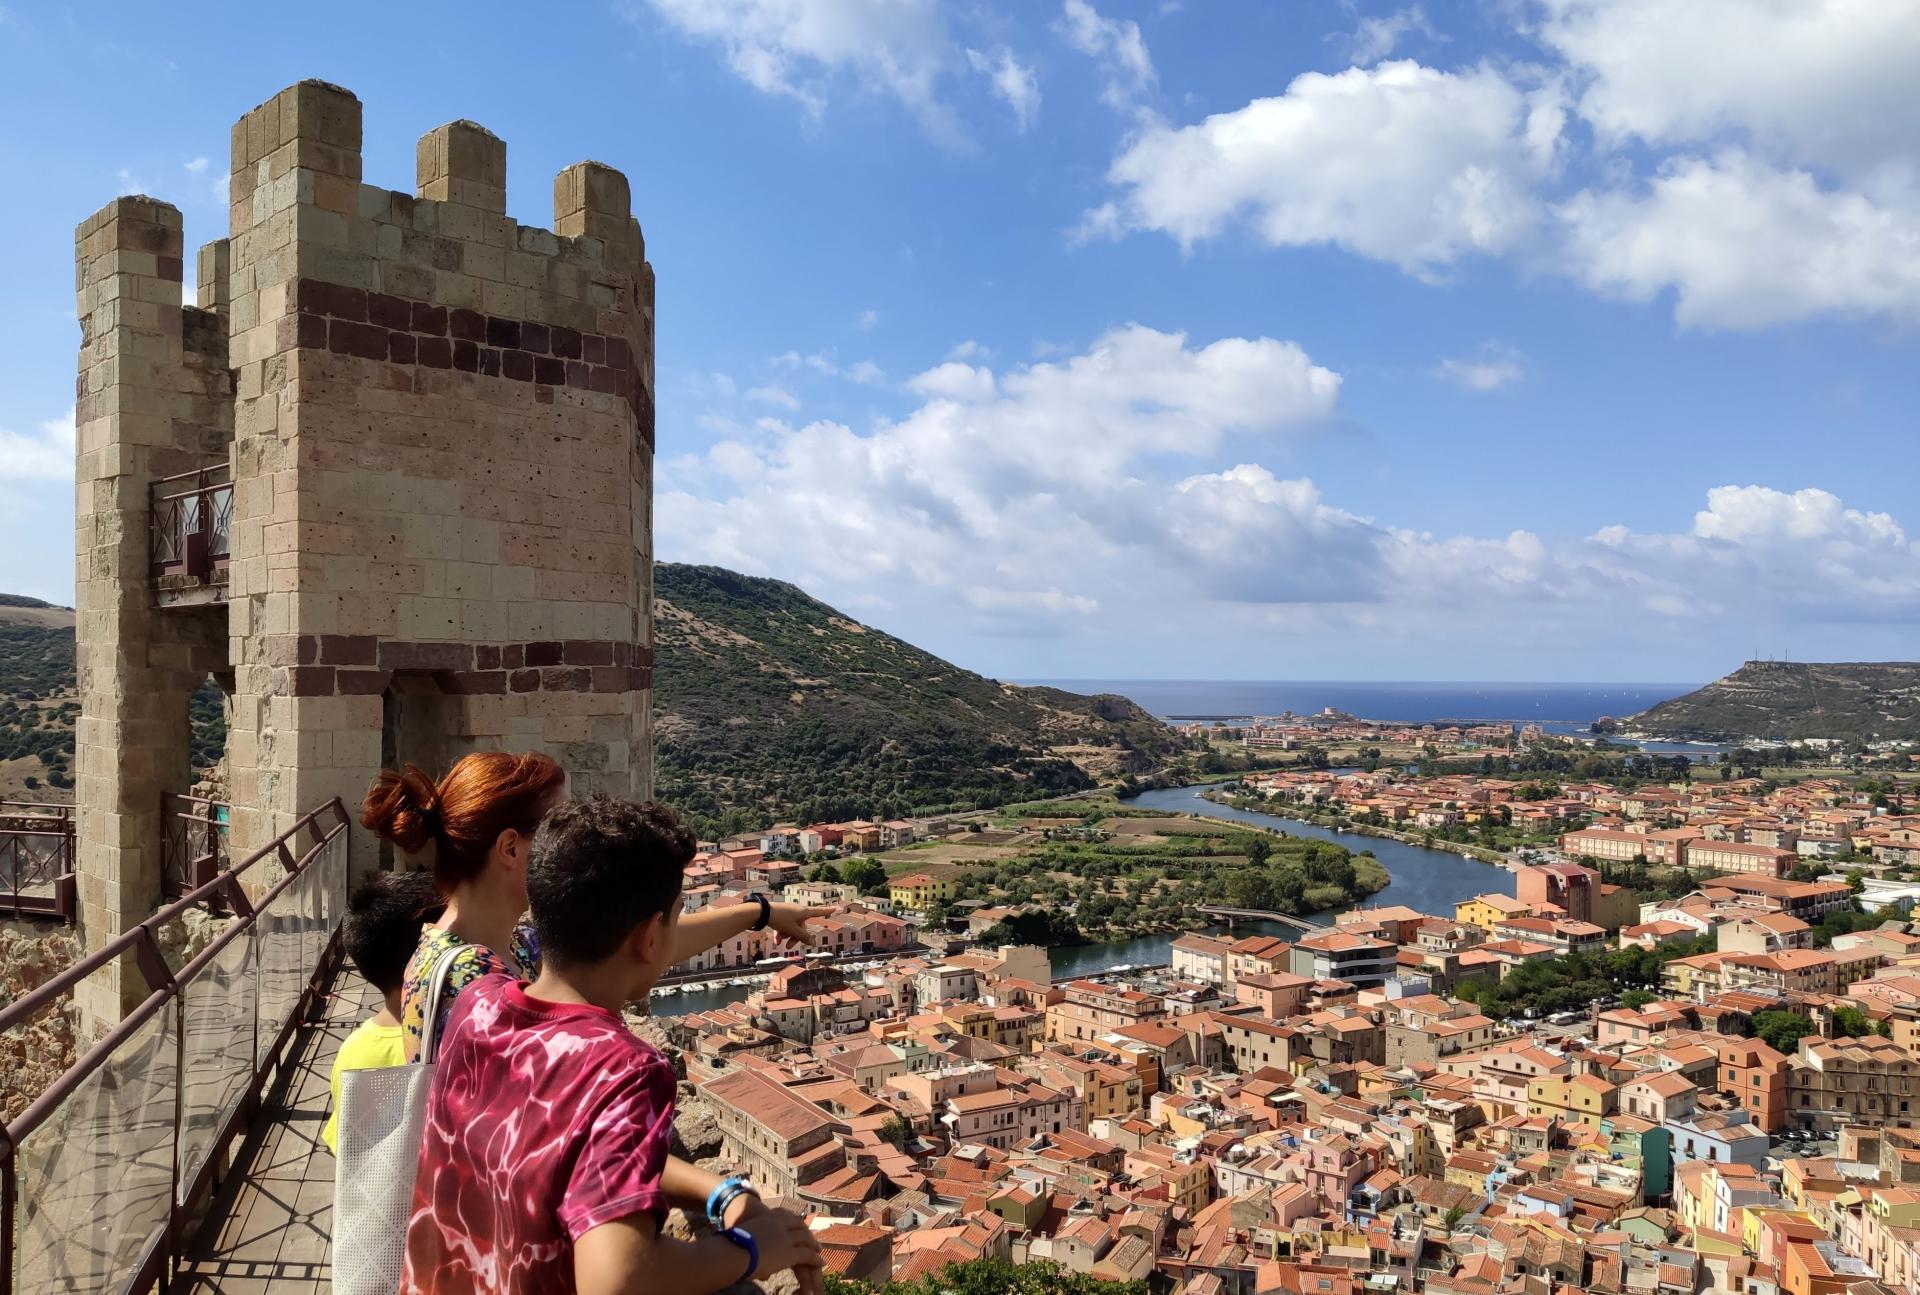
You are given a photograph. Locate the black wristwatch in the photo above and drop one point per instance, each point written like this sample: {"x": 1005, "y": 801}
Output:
{"x": 766, "y": 912}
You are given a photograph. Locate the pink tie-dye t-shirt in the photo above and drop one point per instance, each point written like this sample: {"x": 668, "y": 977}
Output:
{"x": 546, "y": 1120}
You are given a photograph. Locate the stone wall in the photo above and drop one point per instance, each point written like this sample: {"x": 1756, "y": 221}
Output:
{"x": 152, "y": 400}
{"x": 440, "y": 430}
{"x": 443, "y": 458}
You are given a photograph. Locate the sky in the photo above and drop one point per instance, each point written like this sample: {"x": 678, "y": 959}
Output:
{"x": 1239, "y": 339}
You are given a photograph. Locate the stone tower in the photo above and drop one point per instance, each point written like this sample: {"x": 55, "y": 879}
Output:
{"x": 437, "y": 426}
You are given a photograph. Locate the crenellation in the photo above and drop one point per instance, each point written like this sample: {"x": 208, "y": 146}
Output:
{"x": 439, "y": 428}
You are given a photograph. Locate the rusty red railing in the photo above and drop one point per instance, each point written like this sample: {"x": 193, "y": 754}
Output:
{"x": 191, "y": 522}
{"x": 103, "y": 1174}
{"x": 193, "y": 843}
{"x": 36, "y": 860}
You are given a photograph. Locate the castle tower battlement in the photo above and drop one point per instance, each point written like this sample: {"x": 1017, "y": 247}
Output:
{"x": 439, "y": 427}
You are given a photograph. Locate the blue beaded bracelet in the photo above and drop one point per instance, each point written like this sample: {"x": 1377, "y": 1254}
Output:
{"x": 723, "y": 1196}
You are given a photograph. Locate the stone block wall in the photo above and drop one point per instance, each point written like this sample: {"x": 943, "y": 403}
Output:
{"x": 443, "y": 465}
{"x": 153, "y": 399}
{"x": 440, "y": 429}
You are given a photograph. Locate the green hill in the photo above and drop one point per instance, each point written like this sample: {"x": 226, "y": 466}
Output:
{"x": 1793, "y": 701}
{"x": 769, "y": 703}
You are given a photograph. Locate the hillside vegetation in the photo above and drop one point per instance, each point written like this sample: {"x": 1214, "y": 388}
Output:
{"x": 1793, "y": 701}
{"x": 769, "y": 703}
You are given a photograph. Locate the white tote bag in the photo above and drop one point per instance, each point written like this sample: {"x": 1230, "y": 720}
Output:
{"x": 383, "y": 1113}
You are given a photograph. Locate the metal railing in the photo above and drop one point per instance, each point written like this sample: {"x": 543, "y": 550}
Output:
{"x": 36, "y": 860}
{"x": 193, "y": 843}
{"x": 192, "y": 522}
{"x": 102, "y": 1175}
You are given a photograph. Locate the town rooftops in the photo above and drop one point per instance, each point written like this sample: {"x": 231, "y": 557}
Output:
{"x": 768, "y": 1103}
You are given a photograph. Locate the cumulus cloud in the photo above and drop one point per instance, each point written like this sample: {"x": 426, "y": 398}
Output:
{"x": 1497, "y": 365}
{"x": 1742, "y": 244}
{"x": 1824, "y": 83}
{"x": 45, "y": 454}
{"x": 999, "y": 481}
{"x": 1754, "y": 160}
{"x": 805, "y": 49}
{"x": 1401, "y": 163}
{"x": 1047, "y": 499}
{"x": 1379, "y": 36}
{"x": 1115, "y": 44}
{"x": 955, "y": 381}
{"x": 1013, "y": 82}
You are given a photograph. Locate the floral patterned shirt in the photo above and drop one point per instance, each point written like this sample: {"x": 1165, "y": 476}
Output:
{"x": 471, "y": 961}
{"x": 545, "y": 1121}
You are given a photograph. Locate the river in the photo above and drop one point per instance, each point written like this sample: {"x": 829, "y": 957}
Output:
{"x": 1431, "y": 881}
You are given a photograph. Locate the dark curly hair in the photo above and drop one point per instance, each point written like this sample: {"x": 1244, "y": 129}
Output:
{"x": 384, "y": 918}
{"x": 599, "y": 868}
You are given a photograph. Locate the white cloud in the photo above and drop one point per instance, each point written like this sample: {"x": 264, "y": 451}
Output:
{"x": 42, "y": 455}
{"x": 1115, "y": 44}
{"x": 1038, "y": 500}
{"x": 1800, "y": 556}
{"x": 865, "y": 372}
{"x": 824, "y": 363}
{"x": 1000, "y": 481}
{"x": 970, "y": 350}
{"x": 1012, "y": 81}
{"x": 1827, "y": 83}
{"x": 1498, "y": 365}
{"x": 955, "y": 381}
{"x": 1745, "y": 245}
{"x": 1377, "y": 37}
{"x": 804, "y": 49}
{"x": 1400, "y": 163}
{"x": 866, "y": 319}
{"x": 770, "y": 395}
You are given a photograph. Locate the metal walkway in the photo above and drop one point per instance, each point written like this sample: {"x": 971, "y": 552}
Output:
{"x": 269, "y": 1227}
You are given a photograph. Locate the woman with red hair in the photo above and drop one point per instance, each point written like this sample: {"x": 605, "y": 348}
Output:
{"x": 479, "y": 822}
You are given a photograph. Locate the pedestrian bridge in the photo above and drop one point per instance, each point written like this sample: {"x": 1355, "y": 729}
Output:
{"x": 1306, "y": 925}
{"x": 181, "y": 1151}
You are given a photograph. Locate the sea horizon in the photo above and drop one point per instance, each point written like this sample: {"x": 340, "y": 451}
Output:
{"x": 1562, "y": 706}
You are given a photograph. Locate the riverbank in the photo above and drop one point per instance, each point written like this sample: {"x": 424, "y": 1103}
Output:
{"x": 1429, "y": 880}
{"x": 1480, "y": 853}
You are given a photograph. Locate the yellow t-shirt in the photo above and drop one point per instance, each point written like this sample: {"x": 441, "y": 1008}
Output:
{"x": 367, "y": 1048}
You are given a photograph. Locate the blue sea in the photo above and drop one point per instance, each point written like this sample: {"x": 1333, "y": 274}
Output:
{"x": 1556, "y": 707}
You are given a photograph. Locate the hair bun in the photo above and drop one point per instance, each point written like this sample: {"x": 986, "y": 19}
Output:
{"x": 404, "y": 806}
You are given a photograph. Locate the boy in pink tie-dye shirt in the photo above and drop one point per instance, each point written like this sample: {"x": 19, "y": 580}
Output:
{"x": 544, "y": 1166}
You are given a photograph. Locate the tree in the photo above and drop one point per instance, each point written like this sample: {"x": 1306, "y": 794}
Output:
{"x": 894, "y": 1129}
{"x": 1259, "y": 848}
{"x": 1851, "y": 1023}
{"x": 865, "y": 874}
{"x": 1635, "y": 999}
{"x": 1781, "y": 1031}
{"x": 1453, "y": 1216}
{"x": 994, "y": 1277}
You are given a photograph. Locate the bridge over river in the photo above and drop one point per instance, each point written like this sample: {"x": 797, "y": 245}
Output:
{"x": 1305, "y": 925}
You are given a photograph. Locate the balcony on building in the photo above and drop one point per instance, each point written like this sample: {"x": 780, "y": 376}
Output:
{"x": 191, "y": 523}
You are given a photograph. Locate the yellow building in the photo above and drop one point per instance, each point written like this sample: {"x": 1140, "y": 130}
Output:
{"x": 1581, "y": 1099}
{"x": 1753, "y": 1221}
{"x": 1485, "y": 911}
{"x": 919, "y": 890}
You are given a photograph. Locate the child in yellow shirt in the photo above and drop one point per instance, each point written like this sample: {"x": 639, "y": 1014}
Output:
{"x": 383, "y": 924}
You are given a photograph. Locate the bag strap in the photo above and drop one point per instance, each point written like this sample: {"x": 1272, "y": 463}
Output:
{"x": 430, "y": 1009}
